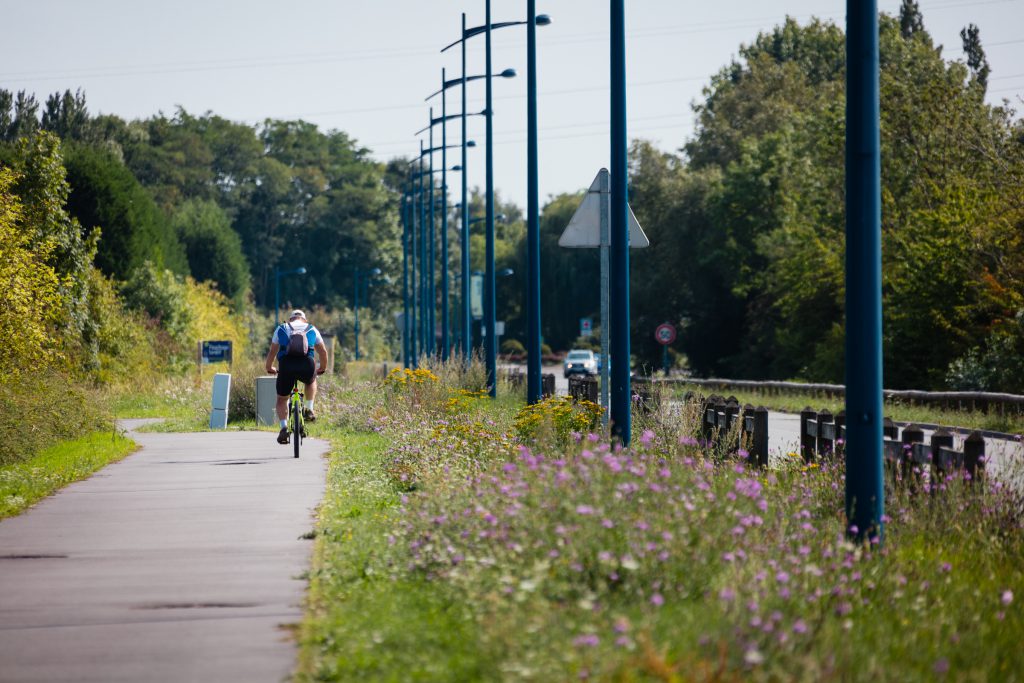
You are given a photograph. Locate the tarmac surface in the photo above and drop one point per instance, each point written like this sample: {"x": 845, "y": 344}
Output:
{"x": 182, "y": 562}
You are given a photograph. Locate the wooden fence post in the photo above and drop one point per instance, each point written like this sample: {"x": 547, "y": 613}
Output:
{"x": 912, "y": 434}
{"x": 709, "y": 420}
{"x": 840, "y": 433}
{"x": 941, "y": 438}
{"x": 547, "y": 384}
{"x": 974, "y": 455}
{"x": 759, "y": 448}
{"x": 826, "y": 445}
{"x": 807, "y": 443}
{"x": 732, "y": 414}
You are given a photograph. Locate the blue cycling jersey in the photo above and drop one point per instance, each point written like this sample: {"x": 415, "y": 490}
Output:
{"x": 282, "y": 333}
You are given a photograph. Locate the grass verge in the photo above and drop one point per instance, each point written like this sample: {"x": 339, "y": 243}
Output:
{"x": 447, "y": 551}
{"x": 24, "y": 483}
{"x": 361, "y": 623}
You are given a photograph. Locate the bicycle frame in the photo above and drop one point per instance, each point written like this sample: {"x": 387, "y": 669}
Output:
{"x": 296, "y": 417}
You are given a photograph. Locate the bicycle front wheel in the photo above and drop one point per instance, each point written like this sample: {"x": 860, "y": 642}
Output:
{"x": 296, "y": 426}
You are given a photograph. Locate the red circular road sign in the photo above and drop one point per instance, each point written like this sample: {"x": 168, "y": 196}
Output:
{"x": 665, "y": 334}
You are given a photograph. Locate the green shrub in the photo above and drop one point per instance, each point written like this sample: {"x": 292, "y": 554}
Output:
{"x": 51, "y": 408}
{"x": 513, "y": 347}
{"x": 242, "y": 405}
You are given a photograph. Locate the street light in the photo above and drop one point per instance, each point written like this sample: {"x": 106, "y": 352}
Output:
{"x": 429, "y": 152}
{"x": 278, "y": 274}
{"x": 490, "y": 350}
{"x": 373, "y": 272}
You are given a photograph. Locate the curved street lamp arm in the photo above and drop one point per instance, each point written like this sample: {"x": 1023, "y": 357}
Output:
{"x": 449, "y": 117}
{"x": 451, "y": 83}
{"x": 477, "y": 30}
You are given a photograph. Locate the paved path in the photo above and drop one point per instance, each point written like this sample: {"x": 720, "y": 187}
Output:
{"x": 179, "y": 563}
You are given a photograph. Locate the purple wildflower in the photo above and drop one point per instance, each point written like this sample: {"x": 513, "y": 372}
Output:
{"x": 586, "y": 640}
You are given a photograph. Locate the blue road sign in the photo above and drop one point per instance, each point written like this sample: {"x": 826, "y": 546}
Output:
{"x": 216, "y": 352}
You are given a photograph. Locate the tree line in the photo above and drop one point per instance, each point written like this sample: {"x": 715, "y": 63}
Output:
{"x": 746, "y": 217}
{"x": 746, "y": 220}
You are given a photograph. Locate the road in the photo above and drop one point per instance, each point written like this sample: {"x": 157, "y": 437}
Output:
{"x": 182, "y": 562}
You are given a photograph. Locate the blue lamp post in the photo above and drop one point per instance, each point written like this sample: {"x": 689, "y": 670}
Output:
{"x": 865, "y": 490}
{"x": 490, "y": 349}
{"x": 445, "y": 84}
{"x": 366, "y": 282}
{"x": 406, "y": 328}
{"x": 443, "y": 148}
{"x": 621, "y": 420}
{"x": 444, "y": 231}
{"x": 278, "y": 274}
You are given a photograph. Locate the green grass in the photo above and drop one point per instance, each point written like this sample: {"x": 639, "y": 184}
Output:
{"x": 24, "y": 483}
{"x": 361, "y": 625}
{"x": 413, "y": 481}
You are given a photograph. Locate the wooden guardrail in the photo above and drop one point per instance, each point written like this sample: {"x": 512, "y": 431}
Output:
{"x": 719, "y": 416}
{"x": 517, "y": 379}
{"x": 584, "y": 388}
{"x": 948, "y": 400}
{"x": 823, "y": 435}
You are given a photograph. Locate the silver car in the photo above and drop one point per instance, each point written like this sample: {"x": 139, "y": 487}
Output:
{"x": 580, "y": 362}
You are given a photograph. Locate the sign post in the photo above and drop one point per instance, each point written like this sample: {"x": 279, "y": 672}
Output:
{"x": 586, "y": 327}
{"x": 590, "y": 227}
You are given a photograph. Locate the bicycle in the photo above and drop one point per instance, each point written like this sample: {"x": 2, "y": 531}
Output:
{"x": 298, "y": 423}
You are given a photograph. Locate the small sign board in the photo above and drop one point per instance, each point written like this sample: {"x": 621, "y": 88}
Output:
{"x": 476, "y": 296}
{"x": 499, "y": 329}
{"x": 216, "y": 352}
{"x": 586, "y": 327}
{"x": 665, "y": 334}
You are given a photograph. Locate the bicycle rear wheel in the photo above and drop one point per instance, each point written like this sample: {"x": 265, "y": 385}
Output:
{"x": 296, "y": 426}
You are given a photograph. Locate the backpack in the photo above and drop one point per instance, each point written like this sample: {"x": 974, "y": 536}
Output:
{"x": 298, "y": 345}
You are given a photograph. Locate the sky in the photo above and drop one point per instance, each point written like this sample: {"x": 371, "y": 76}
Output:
{"x": 365, "y": 68}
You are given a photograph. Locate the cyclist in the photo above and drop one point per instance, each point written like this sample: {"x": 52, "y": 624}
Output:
{"x": 293, "y": 345}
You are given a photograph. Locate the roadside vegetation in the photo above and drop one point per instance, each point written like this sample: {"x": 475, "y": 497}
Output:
{"x": 461, "y": 539}
{"x": 24, "y": 483}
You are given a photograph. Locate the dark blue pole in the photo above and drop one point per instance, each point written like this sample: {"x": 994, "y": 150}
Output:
{"x": 405, "y": 279}
{"x": 864, "y": 485}
{"x": 444, "y": 221}
{"x": 533, "y": 380}
{"x": 355, "y": 307}
{"x": 431, "y": 256}
{"x": 467, "y": 336}
{"x": 277, "y": 298}
{"x": 490, "y": 348}
{"x": 414, "y": 313}
{"x": 423, "y": 258}
{"x": 619, "y": 251}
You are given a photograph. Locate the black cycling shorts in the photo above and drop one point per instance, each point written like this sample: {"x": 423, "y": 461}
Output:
{"x": 290, "y": 369}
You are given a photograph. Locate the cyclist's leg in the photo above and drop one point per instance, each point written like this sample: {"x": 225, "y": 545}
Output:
{"x": 283, "y": 386}
{"x": 309, "y": 379}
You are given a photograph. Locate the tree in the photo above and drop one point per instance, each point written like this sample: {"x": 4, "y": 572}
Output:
{"x": 213, "y": 248}
{"x": 976, "y": 59}
{"x": 30, "y": 305}
{"x": 66, "y": 116}
{"x": 19, "y": 116}
{"x": 105, "y": 194}
{"x": 911, "y": 21}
